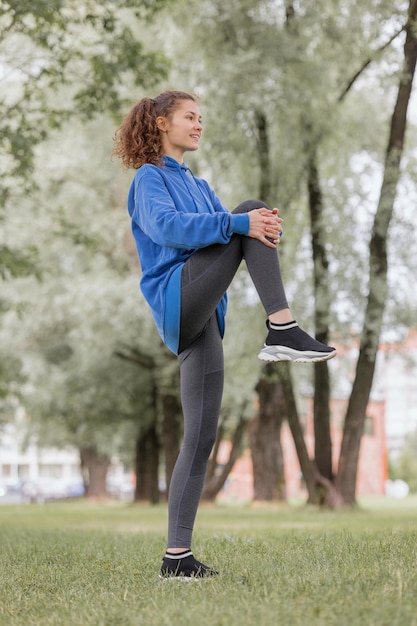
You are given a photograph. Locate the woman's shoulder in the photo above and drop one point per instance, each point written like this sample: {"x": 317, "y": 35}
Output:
{"x": 148, "y": 168}
{"x": 149, "y": 172}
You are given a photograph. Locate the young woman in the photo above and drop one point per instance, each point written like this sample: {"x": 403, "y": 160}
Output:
{"x": 190, "y": 248}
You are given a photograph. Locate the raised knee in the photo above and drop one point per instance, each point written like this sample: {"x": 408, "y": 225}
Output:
{"x": 249, "y": 205}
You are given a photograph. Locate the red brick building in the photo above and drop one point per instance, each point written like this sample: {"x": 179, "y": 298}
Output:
{"x": 373, "y": 458}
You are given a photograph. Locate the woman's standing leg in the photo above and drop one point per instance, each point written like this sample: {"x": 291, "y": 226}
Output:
{"x": 202, "y": 374}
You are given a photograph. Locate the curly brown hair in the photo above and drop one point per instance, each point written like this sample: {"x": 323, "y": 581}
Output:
{"x": 137, "y": 140}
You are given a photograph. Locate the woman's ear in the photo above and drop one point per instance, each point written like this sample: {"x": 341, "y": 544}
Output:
{"x": 161, "y": 123}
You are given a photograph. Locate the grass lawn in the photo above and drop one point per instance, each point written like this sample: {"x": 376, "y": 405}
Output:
{"x": 83, "y": 564}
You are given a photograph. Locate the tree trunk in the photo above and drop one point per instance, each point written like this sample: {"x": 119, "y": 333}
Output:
{"x": 320, "y": 489}
{"x": 147, "y": 466}
{"x": 307, "y": 465}
{"x": 355, "y": 415}
{"x": 265, "y": 439}
{"x": 147, "y": 445}
{"x": 322, "y": 435}
{"x": 94, "y": 468}
{"x": 171, "y": 433}
{"x": 264, "y": 156}
{"x": 214, "y": 482}
{"x": 282, "y": 370}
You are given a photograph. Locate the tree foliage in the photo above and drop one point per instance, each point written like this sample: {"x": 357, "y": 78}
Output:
{"x": 65, "y": 328}
{"x": 59, "y": 59}
{"x": 63, "y": 61}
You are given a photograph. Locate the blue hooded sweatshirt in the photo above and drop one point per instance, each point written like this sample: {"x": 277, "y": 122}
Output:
{"x": 174, "y": 213}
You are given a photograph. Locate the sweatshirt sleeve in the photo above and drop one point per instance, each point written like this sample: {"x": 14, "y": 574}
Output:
{"x": 241, "y": 226}
{"x": 168, "y": 224}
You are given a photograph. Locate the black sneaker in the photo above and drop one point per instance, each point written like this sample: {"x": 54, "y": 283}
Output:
{"x": 184, "y": 567}
{"x": 291, "y": 343}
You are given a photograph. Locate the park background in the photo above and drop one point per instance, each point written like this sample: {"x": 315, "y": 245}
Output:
{"x": 310, "y": 108}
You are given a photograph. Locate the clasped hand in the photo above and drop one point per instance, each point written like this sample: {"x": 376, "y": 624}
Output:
{"x": 265, "y": 225}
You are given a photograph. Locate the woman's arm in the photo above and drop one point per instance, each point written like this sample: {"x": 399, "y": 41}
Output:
{"x": 265, "y": 224}
{"x": 170, "y": 225}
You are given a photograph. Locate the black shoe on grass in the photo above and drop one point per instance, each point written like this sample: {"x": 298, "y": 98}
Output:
{"x": 288, "y": 342}
{"x": 184, "y": 567}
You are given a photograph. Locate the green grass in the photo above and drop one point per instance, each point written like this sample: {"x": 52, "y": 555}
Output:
{"x": 83, "y": 564}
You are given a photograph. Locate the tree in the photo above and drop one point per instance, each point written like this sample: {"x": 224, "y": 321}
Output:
{"x": 265, "y": 438}
{"x": 78, "y": 392}
{"x": 58, "y": 59}
{"x": 63, "y": 60}
{"x": 163, "y": 430}
{"x": 342, "y": 488}
{"x": 66, "y": 328}
{"x": 297, "y": 75}
{"x": 378, "y": 291}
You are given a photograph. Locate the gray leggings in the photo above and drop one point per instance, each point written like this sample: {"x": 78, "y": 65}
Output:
{"x": 205, "y": 277}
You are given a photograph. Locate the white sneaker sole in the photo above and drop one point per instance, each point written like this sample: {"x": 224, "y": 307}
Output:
{"x": 282, "y": 353}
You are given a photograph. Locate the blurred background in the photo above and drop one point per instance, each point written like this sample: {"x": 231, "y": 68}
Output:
{"x": 308, "y": 106}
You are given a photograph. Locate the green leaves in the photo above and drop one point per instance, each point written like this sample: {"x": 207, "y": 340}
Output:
{"x": 62, "y": 58}
{"x": 101, "y": 89}
{"x": 15, "y": 263}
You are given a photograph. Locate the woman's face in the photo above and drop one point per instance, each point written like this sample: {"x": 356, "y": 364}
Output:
{"x": 181, "y": 132}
